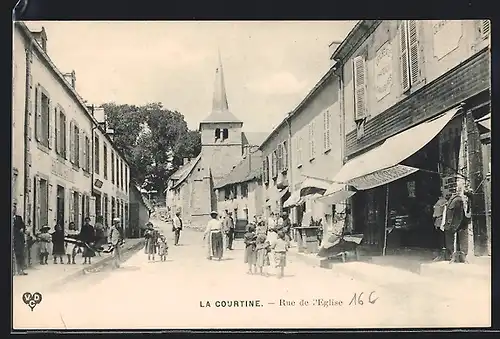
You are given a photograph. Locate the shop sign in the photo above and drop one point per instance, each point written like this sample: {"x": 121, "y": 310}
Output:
{"x": 411, "y": 189}
{"x": 447, "y": 35}
{"x": 382, "y": 177}
{"x": 449, "y": 185}
{"x": 383, "y": 71}
{"x": 62, "y": 171}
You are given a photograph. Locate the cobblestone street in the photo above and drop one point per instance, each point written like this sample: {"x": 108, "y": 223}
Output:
{"x": 177, "y": 294}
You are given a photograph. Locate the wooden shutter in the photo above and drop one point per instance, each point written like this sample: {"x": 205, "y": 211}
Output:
{"x": 414, "y": 51}
{"x": 404, "y": 57}
{"x": 359, "y": 67}
{"x": 485, "y": 29}
{"x": 37, "y": 203}
{"x": 71, "y": 206}
{"x": 79, "y": 222}
{"x": 92, "y": 206}
{"x": 82, "y": 150}
{"x": 71, "y": 149}
{"x": 51, "y": 125}
{"x": 38, "y": 113}
{"x": 57, "y": 137}
{"x": 326, "y": 134}
{"x": 51, "y": 201}
{"x": 285, "y": 155}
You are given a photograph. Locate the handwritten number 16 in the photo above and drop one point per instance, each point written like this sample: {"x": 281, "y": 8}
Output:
{"x": 357, "y": 299}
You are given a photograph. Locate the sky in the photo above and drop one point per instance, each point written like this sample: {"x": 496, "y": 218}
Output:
{"x": 269, "y": 67}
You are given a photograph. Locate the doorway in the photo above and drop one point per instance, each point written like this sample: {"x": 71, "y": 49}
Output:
{"x": 60, "y": 206}
{"x": 98, "y": 201}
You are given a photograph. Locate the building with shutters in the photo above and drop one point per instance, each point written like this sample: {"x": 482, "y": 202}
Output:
{"x": 67, "y": 166}
{"x": 411, "y": 92}
{"x": 191, "y": 189}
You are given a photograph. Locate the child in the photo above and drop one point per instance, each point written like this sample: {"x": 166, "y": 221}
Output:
{"x": 151, "y": 237}
{"x": 250, "y": 254}
{"x": 262, "y": 249}
{"x": 280, "y": 247}
{"x": 162, "y": 247}
{"x": 44, "y": 238}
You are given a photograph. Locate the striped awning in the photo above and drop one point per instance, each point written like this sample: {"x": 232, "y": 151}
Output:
{"x": 485, "y": 121}
{"x": 293, "y": 200}
{"x": 337, "y": 193}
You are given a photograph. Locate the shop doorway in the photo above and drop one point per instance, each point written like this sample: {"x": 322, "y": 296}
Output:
{"x": 60, "y": 206}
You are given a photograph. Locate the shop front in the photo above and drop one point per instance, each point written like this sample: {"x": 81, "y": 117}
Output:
{"x": 398, "y": 183}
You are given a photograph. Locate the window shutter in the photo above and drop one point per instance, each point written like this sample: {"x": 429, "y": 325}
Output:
{"x": 79, "y": 222}
{"x": 71, "y": 142}
{"x": 92, "y": 206}
{"x": 57, "y": 136}
{"x": 285, "y": 155}
{"x": 51, "y": 126}
{"x": 403, "y": 45}
{"x": 328, "y": 139}
{"x": 38, "y": 113}
{"x": 82, "y": 150}
{"x": 51, "y": 201}
{"x": 485, "y": 29}
{"x": 71, "y": 206}
{"x": 37, "y": 204}
{"x": 414, "y": 51}
{"x": 359, "y": 66}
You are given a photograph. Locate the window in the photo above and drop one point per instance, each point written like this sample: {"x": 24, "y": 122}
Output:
{"x": 409, "y": 48}
{"x": 326, "y": 132}
{"x": 43, "y": 117}
{"x": 96, "y": 154}
{"x": 113, "y": 207}
{"x": 60, "y": 135}
{"x": 227, "y": 193}
{"x": 298, "y": 146}
{"x": 121, "y": 174}
{"x": 225, "y": 134}
{"x": 244, "y": 190}
{"x": 285, "y": 155}
{"x": 76, "y": 209}
{"x": 279, "y": 159}
{"x": 217, "y": 133}
{"x": 76, "y": 144}
{"x": 87, "y": 153}
{"x": 359, "y": 76}
{"x": 105, "y": 161}
{"x": 112, "y": 167}
{"x": 127, "y": 180}
{"x": 117, "y": 168}
{"x": 105, "y": 209}
{"x": 312, "y": 149}
{"x": 274, "y": 173}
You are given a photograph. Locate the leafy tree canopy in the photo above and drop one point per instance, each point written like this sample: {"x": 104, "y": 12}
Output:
{"x": 145, "y": 134}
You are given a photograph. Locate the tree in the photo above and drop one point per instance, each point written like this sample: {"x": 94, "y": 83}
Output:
{"x": 147, "y": 150}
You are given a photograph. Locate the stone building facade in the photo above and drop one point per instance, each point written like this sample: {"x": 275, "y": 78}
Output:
{"x": 58, "y": 168}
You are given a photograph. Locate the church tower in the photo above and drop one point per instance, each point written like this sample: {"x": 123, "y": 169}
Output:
{"x": 221, "y": 132}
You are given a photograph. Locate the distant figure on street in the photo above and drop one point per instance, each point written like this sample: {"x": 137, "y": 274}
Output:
{"x": 280, "y": 248}
{"x": 87, "y": 235}
{"x": 71, "y": 249}
{"x": 19, "y": 240}
{"x": 151, "y": 236}
{"x": 287, "y": 226}
{"x": 58, "y": 245}
{"x": 250, "y": 258}
{"x": 229, "y": 230}
{"x": 115, "y": 240}
{"x": 162, "y": 247}
{"x": 271, "y": 221}
{"x": 177, "y": 227}
{"x": 262, "y": 250}
{"x": 100, "y": 236}
{"x": 213, "y": 235}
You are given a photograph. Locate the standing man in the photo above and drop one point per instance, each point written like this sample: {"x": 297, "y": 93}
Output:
{"x": 271, "y": 222}
{"x": 287, "y": 226}
{"x": 19, "y": 239}
{"x": 115, "y": 240}
{"x": 229, "y": 230}
{"x": 177, "y": 227}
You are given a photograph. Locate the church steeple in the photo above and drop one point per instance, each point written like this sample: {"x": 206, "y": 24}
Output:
{"x": 220, "y": 108}
{"x": 219, "y": 103}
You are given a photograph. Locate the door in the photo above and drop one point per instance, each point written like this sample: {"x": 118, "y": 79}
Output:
{"x": 486, "y": 150}
{"x": 60, "y": 206}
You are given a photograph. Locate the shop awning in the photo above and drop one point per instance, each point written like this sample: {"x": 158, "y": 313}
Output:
{"x": 337, "y": 193}
{"x": 283, "y": 192}
{"x": 485, "y": 121}
{"x": 313, "y": 185}
{"x": 292, "y": 200}
{"x": 389, "y": 154}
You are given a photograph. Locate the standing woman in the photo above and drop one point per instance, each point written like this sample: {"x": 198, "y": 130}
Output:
{"x": 213, "y": 234}
{"x": 87, "y": 235}
{"x": 58, "y": 245}
{"x": 151, "y": 239}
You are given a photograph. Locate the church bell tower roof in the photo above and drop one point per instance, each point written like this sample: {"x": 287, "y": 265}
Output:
{"x": 220, "y": 108}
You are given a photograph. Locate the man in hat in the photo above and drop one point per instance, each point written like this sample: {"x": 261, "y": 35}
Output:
{"x": 19, "y": 240}
{"x": 229, "y": 230}
{"x": 177, "y": 227}
{"x": 115, "y": 240}
{"x": 287, "y": 226}
{"x": 213, "y": 234}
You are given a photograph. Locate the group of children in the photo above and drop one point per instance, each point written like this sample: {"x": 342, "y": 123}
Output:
{"x": 156, "y": 243}
{"x": 259, "y": 246}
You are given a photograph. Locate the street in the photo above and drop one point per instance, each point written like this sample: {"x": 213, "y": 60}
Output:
{"x": 189, "y": 291}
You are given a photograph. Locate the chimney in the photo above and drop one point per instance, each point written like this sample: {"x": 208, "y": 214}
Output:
{"x": 110, "y": 132}
{"x": 41, "y": 38}
{"x": 331, "y": 49}
{"x": 99, "y": 114}
{"x": 71, "y": 78}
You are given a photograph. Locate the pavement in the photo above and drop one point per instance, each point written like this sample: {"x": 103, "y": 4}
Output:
{"x": 43, "y": 278}
{"x": 189, "y": 292}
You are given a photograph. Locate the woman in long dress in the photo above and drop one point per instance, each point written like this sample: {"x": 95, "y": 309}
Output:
{"x": 151, "y": 237}
{"x": 213, "y": 236}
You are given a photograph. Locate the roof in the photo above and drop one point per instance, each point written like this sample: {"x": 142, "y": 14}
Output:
{"x": 30, "y": 35}
{"x": 255, "y": 138}
{"x": 221, "y": 116}
{"x": 248, "y": 169}
{"x": 185, "y": 171}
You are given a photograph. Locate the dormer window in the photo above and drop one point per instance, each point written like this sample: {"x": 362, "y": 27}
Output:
{"x": 225, "y": 134}
{"x": 217, "y": 133}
